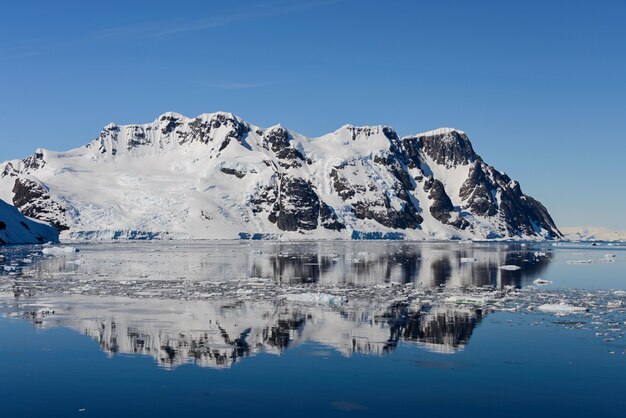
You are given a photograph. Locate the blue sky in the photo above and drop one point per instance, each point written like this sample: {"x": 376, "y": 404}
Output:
{"x": 539, "y": 86}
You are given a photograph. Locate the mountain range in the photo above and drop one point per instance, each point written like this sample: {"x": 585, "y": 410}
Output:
{"x": 217, "y": 176}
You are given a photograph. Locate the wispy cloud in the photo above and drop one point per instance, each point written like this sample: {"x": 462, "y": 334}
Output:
{"x": 170, "y": 27}
{"x": 10, "y": 54}
{"x": 164, "y": 28}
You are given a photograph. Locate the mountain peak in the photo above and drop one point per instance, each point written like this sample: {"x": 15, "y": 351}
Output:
{"x": 441, "y": 132}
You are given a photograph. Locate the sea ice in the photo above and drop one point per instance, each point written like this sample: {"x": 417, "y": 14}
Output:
{"x": 510, "y": 267}
{"x": 314, "y": 297}
{"x": 59, "y": 250}
{"x": 561, "y": 308}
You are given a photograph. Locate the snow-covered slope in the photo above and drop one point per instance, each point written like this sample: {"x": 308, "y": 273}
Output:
{"x": 593, "y": 233}
{"x": 15, "y": 228}
{"x": 217, "y": 176}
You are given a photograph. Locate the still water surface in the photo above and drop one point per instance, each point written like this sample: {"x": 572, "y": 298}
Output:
{"x": 313, "y": 329}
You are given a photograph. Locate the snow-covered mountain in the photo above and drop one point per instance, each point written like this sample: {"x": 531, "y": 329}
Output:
{"x": 217, "y": 176}
{"x": 593, "y": 233}
{"x": 15, "y": 228}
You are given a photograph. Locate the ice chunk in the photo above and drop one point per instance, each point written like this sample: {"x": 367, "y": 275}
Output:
{"x": 510, "y": 267}
{"x": 561, "y": 308}
{"x": 468, "y": 260}
{"x": 541, "y": 282}
{"x": 59, "y": 250}
{"x": 467, "y": 300}
{"x": 579, "y": 261}
{"x": 313, "y": 297}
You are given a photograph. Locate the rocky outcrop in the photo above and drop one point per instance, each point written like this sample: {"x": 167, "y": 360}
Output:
{"x": 33, "y": 199}
{"x": 441, "y": 207}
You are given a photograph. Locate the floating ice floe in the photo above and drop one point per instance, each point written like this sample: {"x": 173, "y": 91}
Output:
{"x": 510, "y": 267}
{"x": 541, "y": 282}
{"x": 615, "y": 304}
{"x": 59, "y": 250}
{"x": 539, "y": 254}
{"x": 468, "y": 260}
{"x": 467, "y": 300}
{"x": 561, "y": 308}
{"x": 579, "y": 261}
{"x": 311, "y": 297}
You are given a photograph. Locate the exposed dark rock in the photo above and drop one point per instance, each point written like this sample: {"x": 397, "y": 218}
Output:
{"x": 478, "y": 192}
{"x": 168, "y": 124}
{"x": 441, "y": 207}
{"x": 298, "y": 205}
{"x": 233, "y": 172}
{"x": 33, "y": 200}
{"x": 34, "y": 162}
{"x": 341, "y": 185}
{"x": 278, "y": 140}
{"x": 396, "y": 167}
{"x": 9, "y": 170}
{"x": 203, "y": 130}
{"x": 329, "y": 218}
{"x": 450, "y": 149}
{"x": 382, "y": 212}
{"x": 138, "y": 138}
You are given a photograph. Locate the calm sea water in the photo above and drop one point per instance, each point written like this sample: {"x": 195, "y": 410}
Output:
{"x": 313, "y": 329}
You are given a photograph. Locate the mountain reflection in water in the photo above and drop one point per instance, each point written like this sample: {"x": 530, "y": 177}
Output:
{"x": 209, "y": 316}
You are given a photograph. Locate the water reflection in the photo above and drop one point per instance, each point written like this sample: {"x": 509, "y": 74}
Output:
{"x": 214, "y": 334}
{"x": 341, "y": 263}
{"x": 213, "y": 304}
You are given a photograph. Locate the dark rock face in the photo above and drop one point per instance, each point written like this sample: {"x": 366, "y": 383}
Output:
{"x": 233, "y": 172}
{"x": 329, "y": 218}
{"x": 298, "y": 206}
{"x": 478, "y": 192}
{"x": 407, "y": 217}
{"x": 33, "y": 199}
{"x": 277, "y": 139}
{"x": 138, "y": 138}
{"x": 203, "y": 130}
{"x": 441, "y": 207}
{"x": 450, "y": 149}
{"x": 488, "y": 192}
